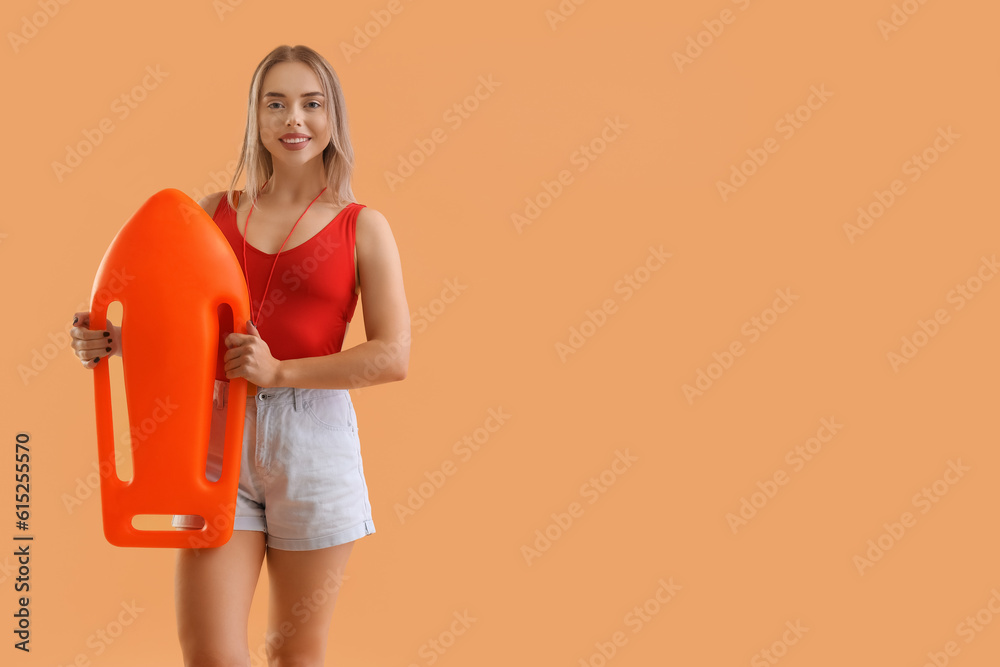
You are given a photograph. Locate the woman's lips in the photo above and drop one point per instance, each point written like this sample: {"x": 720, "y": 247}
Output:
{"x": 296, "y": 146}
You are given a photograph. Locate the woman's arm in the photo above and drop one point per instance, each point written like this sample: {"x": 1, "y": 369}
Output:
{"x": 385, "y": 356}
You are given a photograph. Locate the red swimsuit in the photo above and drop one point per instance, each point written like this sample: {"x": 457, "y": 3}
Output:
{"x": 312, "y": 293}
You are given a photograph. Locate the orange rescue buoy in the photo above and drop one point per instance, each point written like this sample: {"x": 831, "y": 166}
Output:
{"x": 170, "y": 267}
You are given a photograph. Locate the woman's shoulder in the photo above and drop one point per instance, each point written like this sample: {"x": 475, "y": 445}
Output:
{"x": 370, "y": 217}
{"x": 211, "y": 202}
{"x": 372, "y": 231}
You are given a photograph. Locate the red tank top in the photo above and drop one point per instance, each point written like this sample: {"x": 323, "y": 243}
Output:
{"x": 312, "y": 293}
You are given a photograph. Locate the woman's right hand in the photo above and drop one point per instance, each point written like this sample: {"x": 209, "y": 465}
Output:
{"x": 92, "y": 346}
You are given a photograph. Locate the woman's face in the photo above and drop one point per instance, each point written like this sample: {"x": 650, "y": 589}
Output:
{"x": 292, "y": 102}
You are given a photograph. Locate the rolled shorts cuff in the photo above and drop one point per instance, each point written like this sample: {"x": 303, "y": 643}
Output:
{"x": 366, "y": 527}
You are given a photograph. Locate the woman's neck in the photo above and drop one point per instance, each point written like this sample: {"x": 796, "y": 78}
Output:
{"x": 290, "y": 184}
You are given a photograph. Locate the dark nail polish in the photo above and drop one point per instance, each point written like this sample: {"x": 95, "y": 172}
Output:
{"x": 107, "y": 349}
{"x": 107, "y": 333}
{"x": 75, "y": 319}
{"x": 96, "y": 359}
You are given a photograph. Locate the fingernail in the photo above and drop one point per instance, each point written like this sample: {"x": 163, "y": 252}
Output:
{"x": 107, "y": 333}
{"x": 96, "y": 359}
{"x": 107, "y": 349}
{"x": 75, "y": 319}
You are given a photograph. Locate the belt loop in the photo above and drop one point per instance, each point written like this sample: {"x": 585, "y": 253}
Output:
{"x": 296, "y": 399}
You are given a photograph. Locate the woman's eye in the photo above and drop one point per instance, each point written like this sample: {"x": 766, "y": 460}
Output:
{"x": 311, "y": 102}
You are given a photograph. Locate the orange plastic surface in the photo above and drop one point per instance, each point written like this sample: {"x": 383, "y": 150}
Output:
{"x": 170, "y": 267}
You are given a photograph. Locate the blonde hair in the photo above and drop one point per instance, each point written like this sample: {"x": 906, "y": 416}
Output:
{"x": 338, "y": 155}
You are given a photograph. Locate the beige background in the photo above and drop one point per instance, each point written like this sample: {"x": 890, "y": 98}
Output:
{"x": 495, "y": 344}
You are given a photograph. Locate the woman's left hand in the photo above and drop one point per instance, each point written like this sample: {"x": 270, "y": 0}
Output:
{"x": 249, "y": 357}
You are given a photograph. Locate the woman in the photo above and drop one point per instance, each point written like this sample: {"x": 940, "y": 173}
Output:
{"x": 302, "y": 496}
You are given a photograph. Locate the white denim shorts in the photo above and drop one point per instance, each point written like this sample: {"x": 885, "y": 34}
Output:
{"x": 302, "y": 481}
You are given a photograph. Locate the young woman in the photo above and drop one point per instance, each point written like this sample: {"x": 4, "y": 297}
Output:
{"x": 308, "y": 250}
